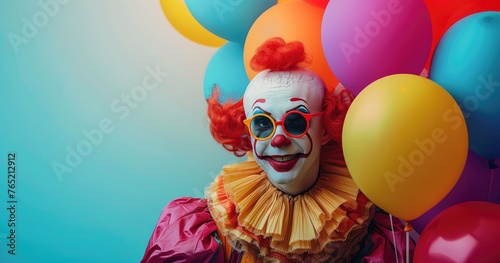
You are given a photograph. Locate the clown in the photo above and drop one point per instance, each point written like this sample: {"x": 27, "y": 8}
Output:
{"x": 287, "y": 150}
{"x": 294, "y": 199}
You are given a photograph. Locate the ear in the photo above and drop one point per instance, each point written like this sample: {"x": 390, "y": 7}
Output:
{"x": 326, "y": 138}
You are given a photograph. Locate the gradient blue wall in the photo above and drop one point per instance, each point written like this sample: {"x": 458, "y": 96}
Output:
{"x": 93, "y": 169}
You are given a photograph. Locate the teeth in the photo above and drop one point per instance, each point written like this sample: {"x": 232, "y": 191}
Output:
{"x": 283, "y": 158}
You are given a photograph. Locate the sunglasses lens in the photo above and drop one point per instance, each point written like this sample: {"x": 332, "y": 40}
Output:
{"x": 262, "y": 126}
{"x": 295, "y": 124}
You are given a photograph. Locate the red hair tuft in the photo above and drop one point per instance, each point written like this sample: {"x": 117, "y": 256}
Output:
{"x": 226, "y": 124}
{"x": 276, "y": 54}
{"x": 335, "y": 109}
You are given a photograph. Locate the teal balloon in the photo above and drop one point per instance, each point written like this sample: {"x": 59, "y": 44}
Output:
{"x": 228, "y": 19}
{"x": 466, "y": 63}
{"x": 226, "y": 69}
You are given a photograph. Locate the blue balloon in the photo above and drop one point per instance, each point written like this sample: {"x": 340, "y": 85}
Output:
{"x": 466, "y": 63}
{"x": 226, "y": 69}
{"x": 228, "y": 19}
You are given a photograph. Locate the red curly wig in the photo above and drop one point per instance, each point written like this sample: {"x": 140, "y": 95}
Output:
{"x": 226, "y": 120}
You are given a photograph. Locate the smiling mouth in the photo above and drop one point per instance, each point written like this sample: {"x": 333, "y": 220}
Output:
{"x": 285, "y": 158}
{"x": 284, "y": 163}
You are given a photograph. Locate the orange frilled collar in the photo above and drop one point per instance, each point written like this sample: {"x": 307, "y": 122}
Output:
{"x": 255, "y": 216}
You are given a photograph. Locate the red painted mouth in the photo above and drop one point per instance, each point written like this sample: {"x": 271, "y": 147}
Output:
{"x": 283, "y": 163}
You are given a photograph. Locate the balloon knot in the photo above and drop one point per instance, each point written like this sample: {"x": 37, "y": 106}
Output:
{"x": 408, "y": 227}
{"x": 492, "y": 165}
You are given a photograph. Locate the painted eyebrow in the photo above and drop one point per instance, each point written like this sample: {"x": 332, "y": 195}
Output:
{"x": 297, "y": 99}
{"x": 259, "y": 108}
{"x": 259, "y": 100}
{"x": 295, "y": 108}
{"x": 292, "y": 109}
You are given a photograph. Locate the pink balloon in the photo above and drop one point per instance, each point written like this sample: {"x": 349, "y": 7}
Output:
{"x": 464, "y": 233}
{"x": 474, "y": 184}
{"x": 366, "y": 40}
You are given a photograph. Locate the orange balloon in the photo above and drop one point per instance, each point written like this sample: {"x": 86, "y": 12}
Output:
{"x": 294, "y": 20}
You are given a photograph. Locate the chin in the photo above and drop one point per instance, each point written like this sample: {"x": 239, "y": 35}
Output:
{"x": 281, "y": 178}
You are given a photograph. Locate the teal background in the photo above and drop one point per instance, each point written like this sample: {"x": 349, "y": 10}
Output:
{"x": 63, "y": 81}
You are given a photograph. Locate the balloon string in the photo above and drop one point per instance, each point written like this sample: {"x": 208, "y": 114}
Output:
{"x": 394, "y": 239}
{"x": 408, "y": 229}
{"x": 408, "y": 247}
{"x": 493, "y": 166}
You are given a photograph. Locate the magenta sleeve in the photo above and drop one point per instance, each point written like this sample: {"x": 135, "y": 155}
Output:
{"x": 185, "y": 232}
{"x": 379, "y": 244}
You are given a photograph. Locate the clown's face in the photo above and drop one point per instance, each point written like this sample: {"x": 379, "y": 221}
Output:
{"x": 290, "y": 156}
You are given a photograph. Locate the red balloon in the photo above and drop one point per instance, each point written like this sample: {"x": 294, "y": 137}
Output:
{"x": 464, "y": 233}
{"x": 319, "y": 3}
{"x": 444, "y": 13}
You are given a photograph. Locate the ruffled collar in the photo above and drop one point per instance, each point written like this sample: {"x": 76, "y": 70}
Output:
{"x": 256, "y": 216}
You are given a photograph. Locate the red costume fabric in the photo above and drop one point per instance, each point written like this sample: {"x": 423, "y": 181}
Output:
{"x": 185, "y": 232}
{"x": 213, "y": 230}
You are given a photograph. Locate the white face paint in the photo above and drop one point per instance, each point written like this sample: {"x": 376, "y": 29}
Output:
{"x": 291, "y": 163}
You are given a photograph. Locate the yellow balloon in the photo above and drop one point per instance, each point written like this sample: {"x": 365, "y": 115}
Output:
{"x": 181, "y": 19}
{"x": 405, "y": 143}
